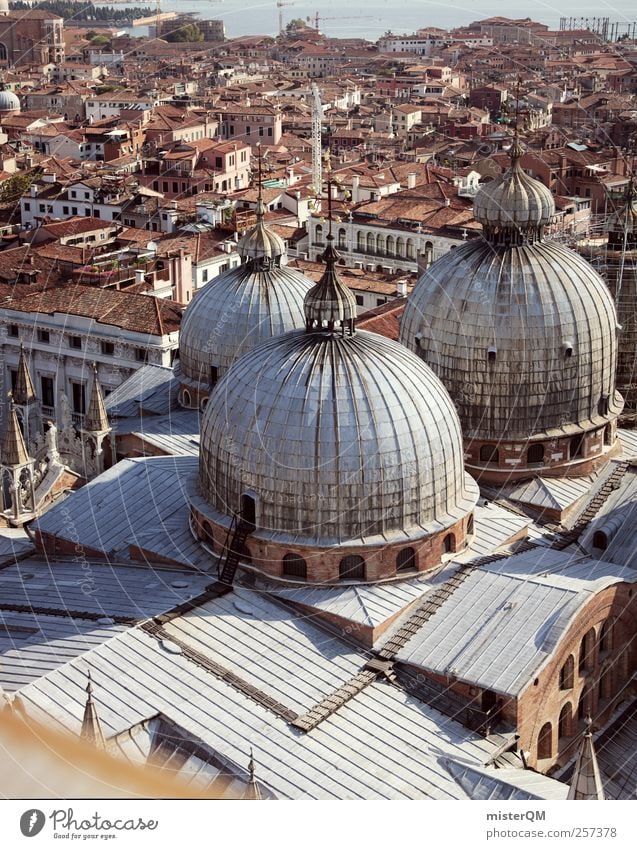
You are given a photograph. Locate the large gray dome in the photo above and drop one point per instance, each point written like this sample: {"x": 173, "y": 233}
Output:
{"x": 338, "y": 438}
{"x": 523, "y": 337}
{"x": 236, "y": 312}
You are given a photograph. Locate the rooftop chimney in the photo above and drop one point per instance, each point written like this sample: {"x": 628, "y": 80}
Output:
{"x": 411, "y": 180}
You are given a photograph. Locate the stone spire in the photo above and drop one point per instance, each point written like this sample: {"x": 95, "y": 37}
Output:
{"x": 14, "y": 449}
{"x": 330, "y": 303}
{"x": 261, "y": 244}
{"x": 253, "y": 791}
{"x": 96, "y": 419}
{"x": 586, "y": 782}
{"x": 91, "y": 726}
{"x": 24, "y": 391}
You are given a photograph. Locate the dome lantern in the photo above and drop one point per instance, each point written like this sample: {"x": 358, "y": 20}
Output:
{"x": 330, "y": 302}
{"x": 514, "y": 209}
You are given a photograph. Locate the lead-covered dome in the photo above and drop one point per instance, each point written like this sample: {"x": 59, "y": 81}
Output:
{"x": 339, "y": 438}
{"x": 523, "y": 333}
{"x": 524, "y": 338}
{"x": 247, "y": 305}
{"x": 9, "y": 102}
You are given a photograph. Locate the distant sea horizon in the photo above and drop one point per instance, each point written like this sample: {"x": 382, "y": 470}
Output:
{"x": 372, "y": 18}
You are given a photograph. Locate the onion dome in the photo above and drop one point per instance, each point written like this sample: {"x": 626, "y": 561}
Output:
{"x": 524, "y": 338}
{"x": 247, "y": 305}
{"x": 340, "y": 437}
{"x": 514, "y": 208}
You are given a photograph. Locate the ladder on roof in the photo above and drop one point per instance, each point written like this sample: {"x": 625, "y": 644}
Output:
{"x": 239, "y": 531}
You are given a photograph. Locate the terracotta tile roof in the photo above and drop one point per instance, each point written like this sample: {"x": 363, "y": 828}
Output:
{"x": 136, "y": 313}
{"x": 384, "y": 320}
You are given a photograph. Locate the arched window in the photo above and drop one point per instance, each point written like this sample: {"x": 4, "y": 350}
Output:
{"x": 545, "y": 742}
{"x": 606, "y": 636}
{"x": 400, "y": 246}
{"x": 600, "y": 540}
{"x": 3, "y": 52}
{"x": 449, "y": 544}
{"x": 371, "y": 243}
{"x": 360, "y": 241}
{"x": 380, "y": 245}
{"x": 564, "y": 722}
{"x": 583, "y": 706}
{"x": 406, "y": 560}
{"x": 489, "y": 454}
{"x": 411, "y": 252}
{"x": 294, "y": 566}
{"x": 351, "y": 568}
{"x": 185, "y": 398}
{"x": 342, "y": 239}
{"x": 535, "y": 454}
{"x": 587, "y": 651}
{"x": 567, "y": 673}
{"x": 203, "y": 403}
{"x": 390, "y": 246}
{"x": 318, "y": 235}
{"x": 577, "y": 446}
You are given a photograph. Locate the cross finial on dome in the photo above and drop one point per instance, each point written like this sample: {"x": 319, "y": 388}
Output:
{"x": 330, "y": 302}
{"x": 260, "y": 205}
{"x": 259, "y": 243}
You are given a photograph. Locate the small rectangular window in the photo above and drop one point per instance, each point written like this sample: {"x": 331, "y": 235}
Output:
{"x": 360, "y": 300}
{"x": 27, "y": 207}
{"x": 48, "y": 392}
{"x": 43, "y": 336}
{"x": 78, "y": 394}
{"x": 141, "y": 355}
{"x": 108, "y": 349}
{"x": 13, "y": 331}
{"x": 75, "y": 342}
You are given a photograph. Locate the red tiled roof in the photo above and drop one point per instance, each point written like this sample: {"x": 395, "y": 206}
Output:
{"x": 136, "y": 313}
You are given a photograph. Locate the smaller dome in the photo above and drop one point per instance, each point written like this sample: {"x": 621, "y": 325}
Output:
{"x": 9, "y": 102}
{"x": 514, "y": 207}
{"x": 260, "y": 242}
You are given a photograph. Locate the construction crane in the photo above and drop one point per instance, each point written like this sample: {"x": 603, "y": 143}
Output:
{"x": 280, "y": 4}
{"x": 318, "y": 18}
{"x": 317, "y": 162}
